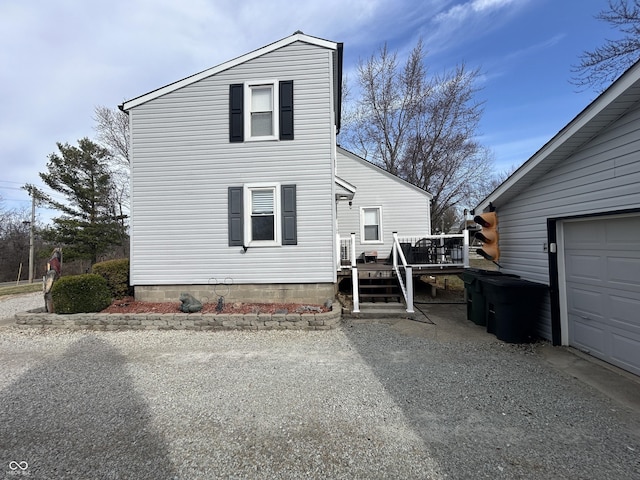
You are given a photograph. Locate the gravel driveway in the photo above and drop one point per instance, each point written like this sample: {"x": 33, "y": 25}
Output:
{"x": 362, "y": 401}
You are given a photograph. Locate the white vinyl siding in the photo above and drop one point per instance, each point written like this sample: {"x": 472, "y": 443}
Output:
{"x": 183, "y": 164}
{"x": 602, "y": 176}
{"x": 404, "y": 208}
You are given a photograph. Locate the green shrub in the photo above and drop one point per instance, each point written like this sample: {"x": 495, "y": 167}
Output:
{"x": 80, "y": 294}
{"x": 116, "y": 273}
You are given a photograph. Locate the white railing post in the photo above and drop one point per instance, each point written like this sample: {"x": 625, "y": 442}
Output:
{"x": 338, "y": 252}
{"x": 394, "y": 250}
{"x": 354, "y": 275}
{"x": 465, "y": 248}
{"x": 409, "y": 281}
{"x": 353, "y": 249}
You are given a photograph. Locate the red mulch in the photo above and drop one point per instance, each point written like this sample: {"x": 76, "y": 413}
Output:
{"x": 129, "y": 305}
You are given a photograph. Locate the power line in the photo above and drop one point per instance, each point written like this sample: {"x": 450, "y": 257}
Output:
{"x": 9, "y": 181}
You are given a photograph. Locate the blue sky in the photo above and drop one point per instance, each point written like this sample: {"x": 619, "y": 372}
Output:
{"x": 62, "y": 59}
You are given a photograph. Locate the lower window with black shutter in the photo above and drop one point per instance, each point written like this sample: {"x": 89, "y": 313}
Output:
{"x": 263, "y": 215}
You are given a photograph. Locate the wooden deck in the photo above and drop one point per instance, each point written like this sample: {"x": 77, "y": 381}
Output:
{"x": 376, "y": 269}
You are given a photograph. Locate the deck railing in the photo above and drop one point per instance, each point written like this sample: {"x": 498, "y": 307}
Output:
{"x": 407, "y": 254}
{"x": 422, "y": 252}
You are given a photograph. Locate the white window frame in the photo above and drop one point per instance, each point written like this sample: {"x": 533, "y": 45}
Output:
{"x": 248, "y": 87}
{"x": 362, "y": 225}
{"x": 277, "y": 213}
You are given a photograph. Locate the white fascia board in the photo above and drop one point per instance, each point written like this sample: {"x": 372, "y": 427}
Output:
{"x": 345, "y": 185}
{"x": 128, "y": 105}
{"x": 615, "y": 91}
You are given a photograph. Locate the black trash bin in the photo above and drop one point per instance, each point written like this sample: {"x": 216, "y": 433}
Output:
{"x": 512, "y": 307}
{"x": 476, "y": 304}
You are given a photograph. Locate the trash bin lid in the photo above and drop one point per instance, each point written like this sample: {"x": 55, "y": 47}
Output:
{"x": 512, "y": 282}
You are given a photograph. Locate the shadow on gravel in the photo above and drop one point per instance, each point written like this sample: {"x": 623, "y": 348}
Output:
{"x": 79, "y": 417}
{"x": 494, "y": 410}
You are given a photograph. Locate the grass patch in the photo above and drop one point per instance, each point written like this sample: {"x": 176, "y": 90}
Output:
{"x": 19, "y": 289}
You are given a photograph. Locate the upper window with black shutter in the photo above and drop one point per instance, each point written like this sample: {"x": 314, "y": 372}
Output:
{"x": 261, "y": 111}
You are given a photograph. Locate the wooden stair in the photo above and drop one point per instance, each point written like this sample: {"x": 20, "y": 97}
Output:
{"x": 377, "y": 288}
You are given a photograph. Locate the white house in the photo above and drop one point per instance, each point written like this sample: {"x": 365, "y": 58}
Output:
{"x": 570, "y": 218}
{"x": 236, "y": 180}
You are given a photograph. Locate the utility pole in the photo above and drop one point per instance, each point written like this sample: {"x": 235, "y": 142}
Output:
{"x": 32, "y": 224}
{"x": 32, "y": 246}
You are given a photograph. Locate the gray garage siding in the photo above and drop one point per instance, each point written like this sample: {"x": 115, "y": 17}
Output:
{"x": 602, "y": 176}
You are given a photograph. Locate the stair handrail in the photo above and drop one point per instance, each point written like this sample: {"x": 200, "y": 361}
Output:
{"x": 407, "y": 291}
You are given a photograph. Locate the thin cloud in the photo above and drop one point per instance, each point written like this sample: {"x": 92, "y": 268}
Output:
{"x": 461, "y": 12}
{"x": 469, "y": 19}
{"x": 535, "y": 48}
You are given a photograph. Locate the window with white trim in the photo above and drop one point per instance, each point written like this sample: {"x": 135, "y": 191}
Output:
{"x": 261, "y": 107}
{"x": 371, "y": 225}
{"x": 262, "y": 217}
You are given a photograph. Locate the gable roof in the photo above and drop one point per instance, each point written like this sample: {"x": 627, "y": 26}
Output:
{"x": 296, "y": 37}
{"x": 612, "y": 104}
{"x": 375, "y": 167}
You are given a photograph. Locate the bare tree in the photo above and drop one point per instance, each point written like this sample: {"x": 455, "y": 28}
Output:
{"x": 14, "y": 243}
{"x": 389, "y": 105}
{"x": 600, "y": 67}
{"x": 112, "y": 128}
{"x": 443, "y": 156}
{"x": 422, "y": 128}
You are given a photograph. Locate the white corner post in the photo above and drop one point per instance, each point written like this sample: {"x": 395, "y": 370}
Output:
{"x": 354, "y": 275}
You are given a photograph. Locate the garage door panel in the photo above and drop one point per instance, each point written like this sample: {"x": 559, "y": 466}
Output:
{"x": 622, "y": 232}
{"x": 624, "y": 350}
{"x": 586, "y": 302}
{"x": 589, "y": 336}
{"x": 624, "y": 313}
{"x": 624, "y": 271}
{"x": 585, "y": 267}
{"x": 583, "y": 236}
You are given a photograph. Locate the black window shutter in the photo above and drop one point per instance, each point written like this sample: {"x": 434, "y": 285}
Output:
{"x": 289, "y": 220}
{"x": 236, "y": 217}
{"x": 236, "y": 118}
{"x": 286, "y": 110}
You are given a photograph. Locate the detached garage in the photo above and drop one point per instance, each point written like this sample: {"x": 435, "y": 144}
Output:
{"x": 569, "y": 218}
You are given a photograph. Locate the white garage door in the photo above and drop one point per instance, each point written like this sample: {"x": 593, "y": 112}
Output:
{"x": 602, "y": 262}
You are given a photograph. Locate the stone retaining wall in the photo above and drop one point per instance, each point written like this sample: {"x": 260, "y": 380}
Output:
{"x": 180, "y": 321}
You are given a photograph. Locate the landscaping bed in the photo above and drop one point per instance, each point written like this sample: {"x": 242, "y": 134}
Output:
{"x": 130, "y": 305}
